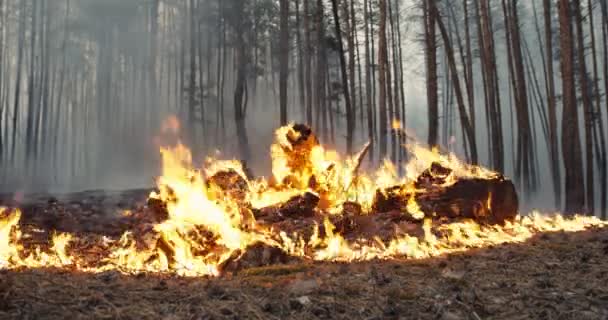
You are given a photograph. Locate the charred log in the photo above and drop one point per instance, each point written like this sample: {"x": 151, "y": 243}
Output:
{"x": 484, "y": 200}
{"x": 297, "y": 207}
{"x": 435, "y": 175}
{"x": 230, "y": 183}
{"x": 256, "y": 255}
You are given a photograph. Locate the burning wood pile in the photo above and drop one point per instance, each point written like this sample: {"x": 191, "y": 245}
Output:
{"x": 316, "y": 206}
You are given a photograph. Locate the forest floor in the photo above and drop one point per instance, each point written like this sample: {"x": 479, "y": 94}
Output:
{"x": 551, "y": 276}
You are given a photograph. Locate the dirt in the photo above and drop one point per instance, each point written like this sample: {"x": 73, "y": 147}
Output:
{"x": 551, "y": 276}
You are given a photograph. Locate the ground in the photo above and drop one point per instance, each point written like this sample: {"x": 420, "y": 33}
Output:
{"x": 552, "y": 276}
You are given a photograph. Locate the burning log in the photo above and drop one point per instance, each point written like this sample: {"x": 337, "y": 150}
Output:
{"x": 300, "y": 206}
{"x": 492, "y": 201}
{"x": 230, "y": 182}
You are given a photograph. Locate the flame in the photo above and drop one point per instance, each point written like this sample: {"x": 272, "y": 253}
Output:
{"x": 206, "y": 226}
{"x": 396, "y": 124}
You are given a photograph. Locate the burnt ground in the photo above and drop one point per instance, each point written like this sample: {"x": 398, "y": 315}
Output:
{"x": 552, "y": 276}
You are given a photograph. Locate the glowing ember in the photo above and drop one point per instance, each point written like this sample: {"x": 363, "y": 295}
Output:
{"x": 213, "y": 214}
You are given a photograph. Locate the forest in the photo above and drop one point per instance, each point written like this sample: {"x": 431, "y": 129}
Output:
{"x": 517, "y": 86}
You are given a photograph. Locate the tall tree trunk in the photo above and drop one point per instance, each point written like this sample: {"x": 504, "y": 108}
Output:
{"x": 192, "y": 85}
{"x": 349, "y": 25}
{"x": 31, "y": 87}
{"x": 368, "y": 81}
{"x": 431, "y": 71}
{"x": 2, "y": 82}
{"x": 603, "y": 165}
{"x": 307, "y": 62}
{"x": 283, "y": 59}
{"x": 382, "y": 66}
{"x": 154, "y": 16}
{"x": 586, "y": 94}
{"x": 301, "y": 81}
{"x": 571, "y": 145}
{"x": 350, "y": 119}
{"x": 491, "y": 76}
{"x": 321, "y": 63}
{"x": 17, "y": 96}
{"x": 464, "y": 118}
{"x": 552, "y": 105}
{"x": 241, "y": 64}
{"x": 469, "y": 65}
{"x": 396, "y": 116}
{"x": 525, "y": 153}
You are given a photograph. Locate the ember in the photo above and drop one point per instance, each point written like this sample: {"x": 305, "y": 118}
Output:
{"x": 317, "y": 206}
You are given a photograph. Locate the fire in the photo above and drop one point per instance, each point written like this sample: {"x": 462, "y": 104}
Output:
{"x": 207, "y": 226}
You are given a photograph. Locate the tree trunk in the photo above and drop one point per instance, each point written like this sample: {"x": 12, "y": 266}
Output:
{"x": 192, "y": 85}
{"x": 307, "y": 62}
{"x": 31, "y": 87}
{"x": 17, "y": 96}
{"x": 525, "y": 152}
{"x": 382, "y": 65}
{"x": 350, "y": 119}
{"x": 469, "y": 65}
{"x": 241, "y": 61}
{"x": 586, "y": 94}
{"x": 431, "y": 71}
{"x": 603, "y": 165}
{"x": 552, "y": 105}
{"x": 283, "y": 59}
{"x": 321, "y": 63}
{"x": 368, "y": 81}
{"x": 301, "y": 81}
{"x": 571, "y": 146}
{"x": 464, "y": 118}
{"x": 493, "y": 105}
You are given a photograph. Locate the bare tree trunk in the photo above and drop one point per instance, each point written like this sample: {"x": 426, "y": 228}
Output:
{"x": 571, "y": 147}
{"x": 368, "y": 81}
{"x": 31, "y": 87}
{"x": 375, "y": 113}
{"x": 431, "y": 71}
{"x": 301, "y": 81}
{"x": 350, "y": 119}
{"x": 59, "y": 109}
{"x": 154, "y": 16}
{"x": 349, "y": 25}
{"x": 192, "y": 85}
{"x": 284, "y": 59}
{"x": 401, "y": 86}
{"x": 587, "y": 107}
{"x": 321, "y": 63}
{"x": 396, "y": 114}
{"x": 469, "y": 65}
{"x": 2, "y": 75}
{"x": 464, "y": 118}
{"x": 602, "y": 162}
{"x": 382, "y": 64}
{"x": 493, "y": 95}
{"x": 241, "y": 64}
{"x": 20, "y": 45}
{"x": 485, "y": 74}
{"x": 307, "y": 62}
{"x": 552, "y": 105}
{"x": 47, "y": 89}
{"x": 525, "y": 153}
